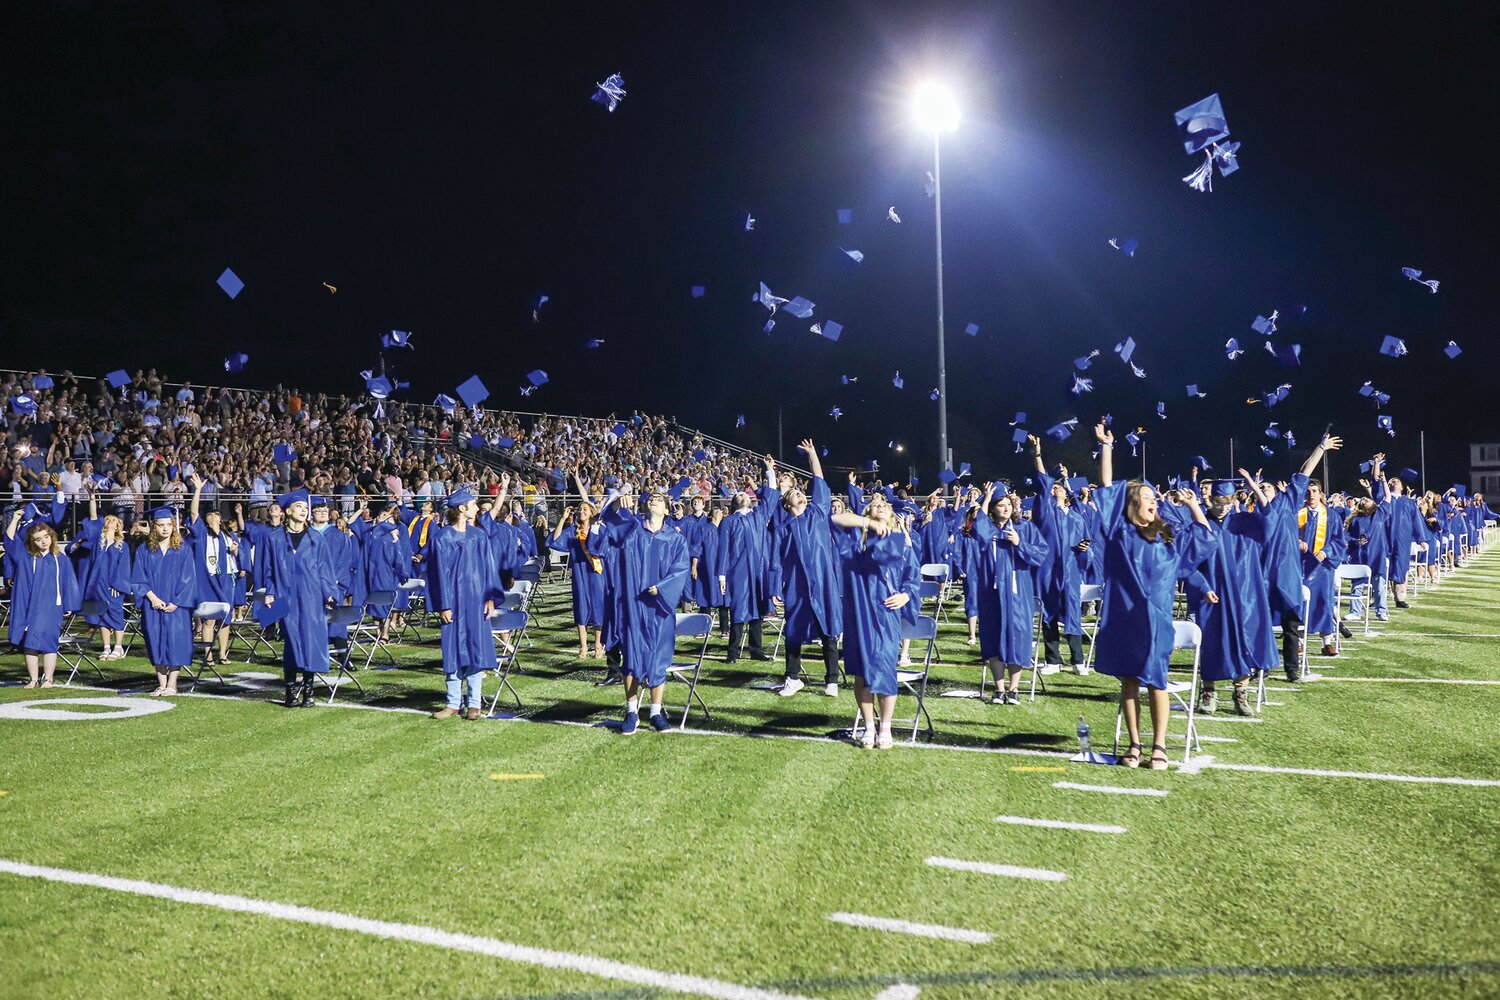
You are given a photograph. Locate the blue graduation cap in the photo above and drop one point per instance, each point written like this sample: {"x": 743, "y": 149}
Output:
{"x": 947, "y": 476}
{"x": 963, "y": 468}
{"x": 117, "y": 378}
{"x": 1078, "y": 484}
{"x": 1020, "y": 435}
{"x": 972, "y": 329}
{"x": 379, "y": 386}
{"x": 537, "y": 378}
{"x": 1125, "y": 349}
{"x": 1161, "y": 409}
{"x": 286, "y": 500}
{"x": 1082, "y": 385}
{"x": 848, "y": 379}
{"x": 445, "y": 403}
{"x": 1460, "y": 490}
{"x": 698, "y": 291}
{"x": 1289, "y": 355}
{"x": 1233, "y": 349}
{"x": 476, "y": 440}
{"x": 618, "y": 430}
{"x": 1082, "y": 364}
{"x": 396, "y": 338}
{"x": 1202, "y": 123}
{"x": 1393, "y": 347}
{"x": 1416, "y": 275}
{"x": 1020, "y": 418}
{"x": 230, "y": 282}
{"x": 1001, "y": 490}
{"x": 870, "y": 466}
{"x": 739, "y": 421}
{"x": 23, "y": 404}
{"x": 472, "y": 391}
{"x": 1132, "y": 439}
{"x": 678, "y": 488}
{"x": 1225, "y": 487}
{"x": 1410, "y": 475}
{"x": 898, "y": 381}
{"x": 845, "y": 216}
{"x": 1365, "y": 466}
{"x": 283, "y": 453}
{"x": 835, "y": 413}
{"x": 505, "y": 442}
{"x": 857, "y": 256}
{"x": 1452, "y": 350}
{"x": 770, "y": 325}
{"x": 1265, "y": 325}
{"x": 1273, "y": 431}
{"x": 1193, "y": 392}
{"x": 593, "y": 345}
{"x": 933, "y": 395}
{"x": 460, "y": 497}
{"x": 1386, "y": 424}
{"x": 829, "y": 330}
{"x": 1200, "y": 462}
{"x": 1028, "y": 504}
{"x": 236, "y": 362}
{"x": 1126, "y": 247}
{"x": 749, "y": 222}
{"x": 700, "y": 455}
{"x": 45, "y": 381}
{"x": 1267, "y": 450}
{"x": 799, "y": 307}
{"x": 610, "y": 93}
{"x": 1062, "y": 431}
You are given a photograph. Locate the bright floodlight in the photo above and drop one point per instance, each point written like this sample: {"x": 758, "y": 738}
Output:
{"x": 935, "y": 107}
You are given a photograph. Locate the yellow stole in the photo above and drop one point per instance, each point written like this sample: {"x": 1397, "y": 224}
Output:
{"x": 1320, "y": 534}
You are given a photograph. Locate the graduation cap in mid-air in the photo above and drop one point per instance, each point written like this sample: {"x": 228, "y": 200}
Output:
{"x": 1452, "y": 350}
{"x": 1265, "y": 325}
{"x": 972, "y": 329}
{"x": 1410, "y": 475}
{"x": 1082, "y": 385}
{"x": 1126, "y": 247}
{"x": 739, "y": 421}
{"x": 236, "y": 362}
{"x": 1416, "y": 275}
{"x": 846, "y": 216}
{"x": 1126, "y": 349}
{"x": 857, "y": 256}
{"x": 1233, "y": 349}
{"x": 1200, "y": 462}
{"x": 835, "y": 413}
{"x": 1386, "y": 424}
{"x": 1062, "y": 431}
{"x": 1020, "y": 418}
{"x": 1193, "y": 392}
{"x": 800, "y": 307}
{"x": 947, "y": 476}
{"x": 1203, "y": 129}
{"x": 593, "y": 344}
{"x": 396, "y": 338}
{"x": 232, "y": 285}
{"x": 537, "y": 378}
{"x": 1289, "y": 355}
{"x": 1161, "y": 409}
{"x": 472, "y": 391}
{"x": 610, "y": 93}
{"x": 898, "y": 381}
{"x": 378, "y": 386}
{"x": 933, "y": 395}
{"x": 1132, "y": 439}
{"x": 698, "y": 291}
{"x": 117, "y": 378}
{"x": 23, "y": 405}
{"x": 1393, "y": 347}
{"x": 829, "y": 330}
{"x": 445, "y": 403}
{"x": 283, "y": 453}
{"x": 1082, "y": 364}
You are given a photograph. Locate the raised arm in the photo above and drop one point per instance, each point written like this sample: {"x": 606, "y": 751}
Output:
{"x": 1329, "y": 443}
{"x": 194, "y": 503}
{"x": 1106, "y": 439}
{"x": 813, "y": 462}
{"x": 1035, "y": 444}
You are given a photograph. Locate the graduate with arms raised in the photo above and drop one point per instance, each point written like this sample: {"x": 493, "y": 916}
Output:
{"x": 1320, "y": 539}
{"x": 810, "y": 596}
{"x": 1007, "y": 551}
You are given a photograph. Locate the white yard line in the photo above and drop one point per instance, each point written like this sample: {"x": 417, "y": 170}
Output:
{"x": 1060, "y": 824}
{"x": 1410, "y": 680}
{"x": 907, "y": 927}
{"x": 1006, "y": 871}
{"x": 1111, "y": 789}
{"x": 901, "y": 991}
{"x": 416, "y": 933}
{"x": 1416, "y": 779}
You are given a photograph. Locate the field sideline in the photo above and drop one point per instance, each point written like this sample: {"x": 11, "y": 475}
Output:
{"x": 1342, "y": 845}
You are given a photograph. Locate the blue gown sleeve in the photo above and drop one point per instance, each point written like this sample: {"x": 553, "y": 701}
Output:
{"x": 856, "y": 499}
{"x": 1033, "y": 550}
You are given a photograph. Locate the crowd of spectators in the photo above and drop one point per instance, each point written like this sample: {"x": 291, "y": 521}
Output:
{"x": 139, "y": 444}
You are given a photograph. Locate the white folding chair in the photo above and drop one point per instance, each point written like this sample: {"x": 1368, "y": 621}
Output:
{"x": 1185, "y": 635}
{"x": 505, "y": 653}
{"x": 692, "y": 626}
{"x": 914, "y": 680}
{"x": 208, "y": 611}
{"x": 1039, "y": 669}
{"x": 1355, "y": 576}
{"x": 340, "y": 651}
{"x": 937, "y": 573}
{"x": 1260, "y": 687}
{"x": 1090, "y": 593}
{"x": 1414, "y": 570}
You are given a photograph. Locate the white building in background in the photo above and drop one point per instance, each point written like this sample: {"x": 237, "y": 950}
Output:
{"x": 1484, "y": 468}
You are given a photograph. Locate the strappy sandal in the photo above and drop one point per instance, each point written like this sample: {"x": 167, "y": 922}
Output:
{"x": 31, "y": 684}
{"x": 1132, "y": 757}
{"x": 885, "y": 741}
{"x": 1161, "y": 764}
{"x": 867, "y": 738}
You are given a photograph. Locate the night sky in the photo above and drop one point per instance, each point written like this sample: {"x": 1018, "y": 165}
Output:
{"x": 442, "y": 166}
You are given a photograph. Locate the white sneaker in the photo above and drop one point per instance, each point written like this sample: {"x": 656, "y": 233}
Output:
{"x": 971, "y": 641}
{"x": 1013, "y": 697}
{"x": 792, "y": 686}
{"x": 831, "y": 690}
{"x": 1080, "y": 669}
{"x": 1051, "y": 668}
{"x": 905, "y": 661}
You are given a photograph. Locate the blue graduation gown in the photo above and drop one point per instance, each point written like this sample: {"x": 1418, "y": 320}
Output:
{"x": 1059, "y": 575}
{"x": 45, "y": 590}
{"x": 169, "y": 575}
{"x": 1317, "y": 576}
{"x": 302, "y": 579}
{"x": 1405, "y": 529}
{"x": 647, "y": 622}
{"x": 936, "y": 534}
{"x": 587, "y": 571}
{"x": 213, "y": 578}
{"x": 461, "y": 576}
{"x": 1089, "y": 561}
{"x": 1237, "y": 636}
{"x": 1281, "y": 563}
{"x": 703, "y": 545}
{"x": 873, "y": 569}
{"x": 104, "y": 574}
{"x": 1140, "y": 579}
{"x": 966, "y": 565}
{"x": 385, "y": 560}
{"x": 744, "y": 544}
{"x": 1006, "y": 602}
{"x": 808, "y": 582}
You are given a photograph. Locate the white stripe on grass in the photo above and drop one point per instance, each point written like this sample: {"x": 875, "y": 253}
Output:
{"x": 1060, "y": 824}
{"x": 1111, "y": 789}
{"x": 1415, "y": 779}
{"x": 1006, "y": 871}
{"x": 591, "y": 965}
{"x": 901, "y": 991}
{"x": 1411, "y": 680}
{"x": 894, "y": 926}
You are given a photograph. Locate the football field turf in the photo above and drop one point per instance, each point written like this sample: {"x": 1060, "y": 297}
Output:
{"x": 1343, "y": 844}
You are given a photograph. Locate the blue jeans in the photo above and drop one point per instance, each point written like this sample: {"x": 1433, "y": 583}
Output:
{"x": 1378, "y": 601}
{"x": 456, "y": 694}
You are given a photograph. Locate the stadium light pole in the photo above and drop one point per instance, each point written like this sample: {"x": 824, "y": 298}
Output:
{"x": 936, "y": 110}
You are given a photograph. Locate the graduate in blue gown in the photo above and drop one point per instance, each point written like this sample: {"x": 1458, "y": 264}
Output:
{"x": 1142, "y": 559}
{"x": 880, "y": 587}
{"x": 1367, "y": 542}
{"x": 463, "y": 586}
{"x": 653, "y": 566}
{"x": 385, "y": 561}
{"x": 1007, "y": 551}
{"x": 1238, "y": 638}
{"x": 965, "y": 565}
{"x": 744, "y": 553}
{"x": 809, "y": 589}
{"x": 579, "y": 535}
{"x": 215, "y": 553}
{"x": 341, "y": 552}
{"x": 1060, "y": 578}
{"x": 104, "y": 575}
{"x": 300, "y": 590}
{"x": 44, "y": 591}
{"x": 164, "y": 584}
{"x": 1320, "y": 540}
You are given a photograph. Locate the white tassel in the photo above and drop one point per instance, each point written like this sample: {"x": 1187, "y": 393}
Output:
{"x": 1202, "y": 179}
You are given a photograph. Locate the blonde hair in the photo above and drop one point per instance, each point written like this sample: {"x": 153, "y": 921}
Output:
{"x": 112, "y": 532}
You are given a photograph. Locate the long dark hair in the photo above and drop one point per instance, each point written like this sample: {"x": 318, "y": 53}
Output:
{"x": 1157, "y": 529}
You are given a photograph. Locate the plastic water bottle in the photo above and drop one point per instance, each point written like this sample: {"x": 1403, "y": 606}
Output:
{"x": 1083, "y": 737}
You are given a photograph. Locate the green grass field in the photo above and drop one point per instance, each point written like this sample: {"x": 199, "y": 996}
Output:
{"x": 721, "y": 852}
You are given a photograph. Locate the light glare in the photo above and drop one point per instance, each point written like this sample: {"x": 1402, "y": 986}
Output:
{"x": 934, "y": 107}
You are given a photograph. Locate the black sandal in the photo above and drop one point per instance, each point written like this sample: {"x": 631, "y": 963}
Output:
{"x": 1132, "y": 756}
{"x": 1165, "y": 760}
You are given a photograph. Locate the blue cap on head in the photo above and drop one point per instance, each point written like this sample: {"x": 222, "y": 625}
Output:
{"x": 317, "y": 501}
{"x": 1225, "y": 487}
{"x": 162, "y": 514}
{"x": 460, "y": 497}
{"x": 30, "y": 512}
{"x": 286, "y": 500}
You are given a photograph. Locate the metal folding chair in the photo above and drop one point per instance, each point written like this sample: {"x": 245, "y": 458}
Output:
{"x": 1185, "y": 635}
{"x": 341, "y": 651}
{"x": 249, "y": 633}
{"x": 1038, "y": 667}
{"x": 73, "y": 650}
{"x": 364, "y": 629}
{"x": 1260, "y": 687}
{"x": 914, "y": 680}
{"x": 1354, "y": 576}
{"x": 1414, "y": 572}
{"x": 1087, "y": 593}
{"x": 694, "y": 626}
{"x": 938, "y": 573}
{"x": 505, "y": 654}
{"x": 208, "y": 611}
